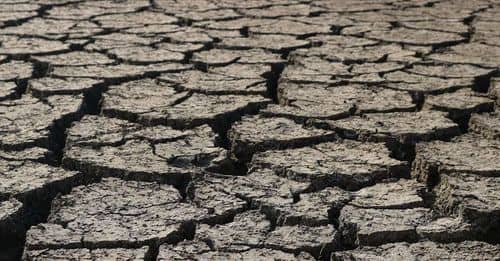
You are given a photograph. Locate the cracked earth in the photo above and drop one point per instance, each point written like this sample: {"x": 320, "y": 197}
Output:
{"x": 249, "y": 130}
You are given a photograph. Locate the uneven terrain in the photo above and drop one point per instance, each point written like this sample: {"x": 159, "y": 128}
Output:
{"x": 249, "y": 130}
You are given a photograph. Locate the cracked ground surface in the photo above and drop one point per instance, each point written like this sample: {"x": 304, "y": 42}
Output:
{"x": 249, "y": 130}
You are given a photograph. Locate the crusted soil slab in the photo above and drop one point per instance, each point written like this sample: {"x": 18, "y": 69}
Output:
{"x": 442, "y": 26}
{"x": 448, "y": 229}
{"x": 312, "y": 69}
{"x": 487, "y": 124}
{"x": 256, "y": 254}
{"x": 471, "y": 197}
{"x": 284, "y": 201}
{"x": 424, "y": 84}
{"x": 290, "y": 27}
{"x": 43, "y": 87}
{"x": 28, "y": 121}
{"x": 12, "y": 45}
{"x": 34, "y": 154}
{"x": 27, "y": 180}
{"x": 450, "y": 70}
{"x": 80, "y": 58}
{"x": 88, "y": 254}
{"x": 277, "y": 43}
{"x": 256, "y": 133}
{"x": 348, "y": 164}
{"x": 383, "y": 67}
{"x": 8, "y": 90}
{"x": 115, "y": 213}
{"x": 216, "y": 194}
{"x": 242, "y": 70}
{"x": 319, "y": 241}
{"x": 15, "y": 70}
{"x": 312, "y": 209}
{"x": 425, "y": 250}
{"x": 120, "y": 71}
{"x": 248, "y": 230}
{"x": 416, "y": 37}
{"x": 390, "y": 195}
{"x": 320, "y": 101}
{"x": 146, "y": 55}
{"x": 349, "y": 55}
{"x": 26, "y": 190}
{"x": 397, "y": 127}
{"x": 10, "y": 218}
{"x": 113, "y": 147}
{"x": 472, "y": 53}
{"x": 200, "y": 251}
{"x": 384, "y": 213}
{"x": 222, "y": 57}
{"x": 460, "y": 104}
{"x": 133, "y": 102}
{"x": 368, "y": 226}
{"x": 252, "y": 230}
{"x": 213, "y": 83}
{"x": 259, "y": 188}
{"x": 465, "y": 154}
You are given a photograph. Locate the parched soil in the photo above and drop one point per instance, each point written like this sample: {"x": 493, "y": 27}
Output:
{"x": 249, "y": 130}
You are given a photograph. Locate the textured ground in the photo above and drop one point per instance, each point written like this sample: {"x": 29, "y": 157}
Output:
{"x": 249, "y": 130}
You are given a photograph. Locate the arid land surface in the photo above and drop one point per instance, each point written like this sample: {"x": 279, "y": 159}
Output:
{"x": 249, "y": 130}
